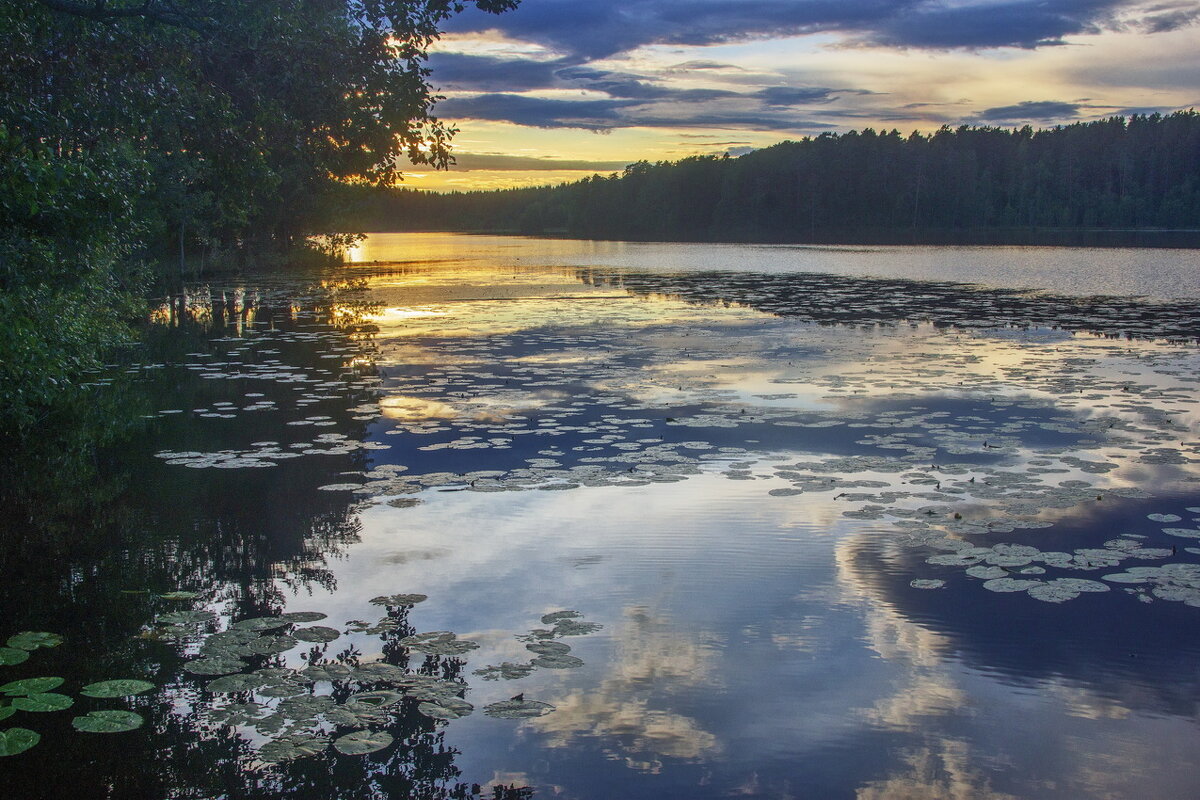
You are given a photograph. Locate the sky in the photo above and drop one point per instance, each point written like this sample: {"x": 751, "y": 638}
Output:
{"x": 561, "y": 89}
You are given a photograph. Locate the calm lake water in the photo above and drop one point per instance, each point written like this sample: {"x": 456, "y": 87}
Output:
{"x": 502, "y": 517}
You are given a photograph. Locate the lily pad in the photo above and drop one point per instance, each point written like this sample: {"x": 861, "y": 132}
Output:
{"x": 271, "y": 645}
{"x": 32, "y": 640}
{"x": 920, "y": 583}
{"x": 286, "y": 748}
{"x": 550, "y": 619}
{"x": 303, "y": 616}
{"x": 569, "y": 627}
{"x": 258, "y": 624}
{"x": 377, "y": 699}
{"x": 46, "y": 701}
{"x": 108, "y": 722}
{"x": 121, "y": 687}
{"x": 399, "y": 599}
{"x": 235, "y": 683}
{"x": 558, "y": 661}
{"x": 185, "y": 617}
{"x": 316, "y": 633}
{"x": 446, "y": 709}
{"x": 31, "y": 686}
{"x": 518, "y": 709}
{"x": 214, "y": 666}
{"x": 442, "y": 643}
{"x": 360, "y": 743}
{"x": 17, "y": 740}
{"x": 11, "y": 655}
{"x": 179, "y": 596}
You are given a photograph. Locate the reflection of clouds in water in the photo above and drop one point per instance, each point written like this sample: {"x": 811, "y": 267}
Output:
{"x": 651, "y": 659}
{"x": 940, "y": 772}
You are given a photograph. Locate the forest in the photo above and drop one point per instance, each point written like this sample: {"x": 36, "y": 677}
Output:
{"x": 1141, "y": 172}
{"x": 141, "y": 137}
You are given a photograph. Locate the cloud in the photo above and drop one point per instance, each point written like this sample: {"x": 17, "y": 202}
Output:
{"x": 466, "y": 162}
{"x": 1040, "y": 110}
{"x": 537, "y": 112}
{"x": 490, "y": 74}
{"x": 583, "y": 30}
{"x": 795, "y": 95}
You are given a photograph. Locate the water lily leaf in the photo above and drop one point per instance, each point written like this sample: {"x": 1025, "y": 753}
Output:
{"x": 507, "y": 670}
{"x": 47, "y": 701}
{"x": 32, "y": 640}
{"x": 550, "y": 619}
{"x": 286, "y": 748}
{"x": 446, "y": 709}
{"x": 377, "y": 699}
{"x": 518, "y": 709}
{"x": 31, "y": 686}
{"x": 259, "y": 624}
{"x": 121, "y": 687}
{"x": 271, "y": 645}
{"x": 399, "y": 600}
{"x": 17, "y": 740}
{"x": 11, "y": 655}
{"x": 185, "y": 617}
{"x": 362, "y": 742}
{"x": 569, "y": 627}
{"x": 919, "y": 583}
{"x": 235, "y": 683}
{"x": 179, "y": 596}
{"x": 214, "y": 666}
{"x": 316, "y": 633}
{"x": 549, "y": 648}
{"x": 303, "y": 616}
{"x": 443, "y": 643}
{"x": 108, "y": 722}
{"x": 557, "y": 662}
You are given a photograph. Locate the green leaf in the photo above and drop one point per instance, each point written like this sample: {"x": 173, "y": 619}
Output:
{"x": 123, "y": 687}
{"x": 32, "y": 640}
{"x": 11, "y": 655}
{"x": 31, "y": 686}
{"x": 47, "y": 701}
{"x": 17, "y": 740}
{"x": 108, "y": 722}
{"x": 179, "y": 596}
{"x": 360, "y": 743}
{"x": 7, "y": 711}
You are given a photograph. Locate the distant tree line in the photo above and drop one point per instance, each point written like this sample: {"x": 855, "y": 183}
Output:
{"x": 137, "y": 133}
{"x": 1135, "y": 173}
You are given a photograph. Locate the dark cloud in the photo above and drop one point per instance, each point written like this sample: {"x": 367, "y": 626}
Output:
{"x": 466, "y": 162}
{"x": 795, "y": 95}
{"x": 537, "y": 112}
{"x": 635, "y": 87}
{"x": 488, "y": 74}
{"x": 1039, "y": 110}
{"x": 583, "y": 30}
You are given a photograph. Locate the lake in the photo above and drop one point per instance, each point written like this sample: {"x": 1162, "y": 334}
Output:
{"x": 513, "y": 518}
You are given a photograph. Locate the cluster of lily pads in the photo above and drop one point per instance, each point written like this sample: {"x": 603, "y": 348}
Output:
{"x": 294, "y": 709}
{"x": 548, "y": 654}
{"x": 38, "y": 696}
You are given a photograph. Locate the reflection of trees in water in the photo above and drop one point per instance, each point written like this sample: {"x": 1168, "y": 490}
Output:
{"x": 839, "y": 299}
{"x": 188, "y": 754}
{"x": 94, "y": 528}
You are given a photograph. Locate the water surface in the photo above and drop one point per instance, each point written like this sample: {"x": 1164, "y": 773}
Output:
{"x": 826, "y": 527}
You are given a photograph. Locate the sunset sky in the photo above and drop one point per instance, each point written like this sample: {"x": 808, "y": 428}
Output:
{"x": 561, "y": 89}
